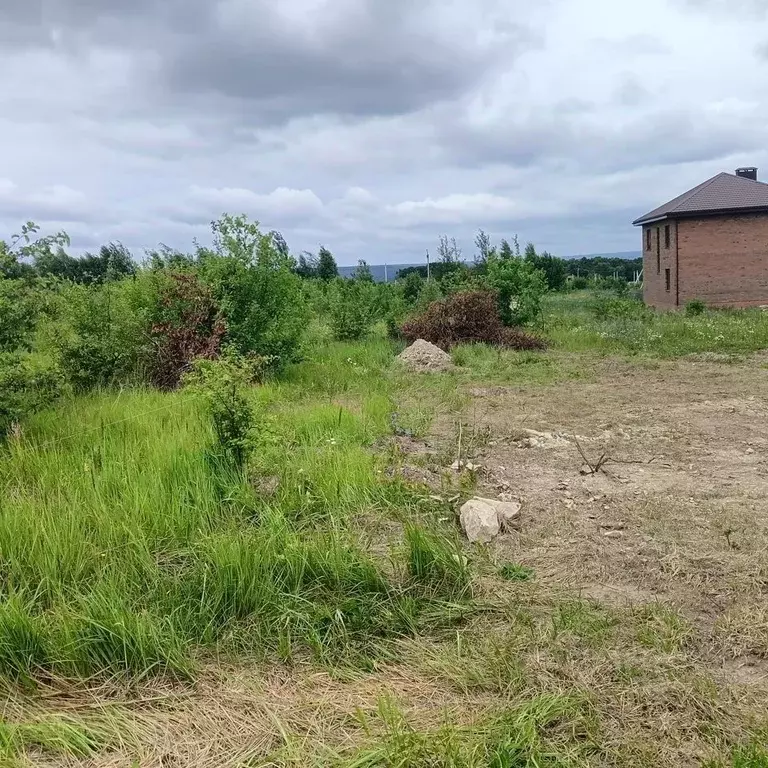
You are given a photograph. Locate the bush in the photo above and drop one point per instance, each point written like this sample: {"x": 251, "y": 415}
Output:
{"x": 353, "y": 306}
{"x": 26, "y": 386}
{"x": 253, "y": 283}
{"x": 695, "y": 307}
{"x": 577, "y": 283}
{"x": 100, "y": 334}
{"x": 223, "y": 384}
{"x": 471, "y": 316}
{"x": 411, "y": 284}
{"x": 519, "y": 288}
{"x": 17, "y": 314}
{"x": 430, "y": 293}
{"x": 188, "y": 326}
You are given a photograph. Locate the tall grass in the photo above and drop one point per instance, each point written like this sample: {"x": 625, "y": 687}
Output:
{"x": 126, "y": 548}
{"x": 585, "y": 321}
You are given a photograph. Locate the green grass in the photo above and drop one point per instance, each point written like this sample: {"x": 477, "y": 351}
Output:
{"x": 594, "y": 322}
{"x": 515, "y": 572}
{"x": 126, "y": 547}
{"x": 549, "y": 731}
{"x": 52, "y": 736}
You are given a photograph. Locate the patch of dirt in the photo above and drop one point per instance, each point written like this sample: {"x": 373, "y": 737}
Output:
{"x": 423, "y": 357}
{"x": 676, "y": 511}
{"x": 617, "y": 595}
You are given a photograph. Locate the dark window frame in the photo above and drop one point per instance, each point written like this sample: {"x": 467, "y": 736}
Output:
{"x": 648, "y": 243}
{"x": 658, "y": 250}
{"x": 668, "y": 279}
{"x": 667, "y": 236}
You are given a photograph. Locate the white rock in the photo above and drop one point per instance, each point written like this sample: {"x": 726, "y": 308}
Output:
{"x": 483, "y": 519}
{"x": 480, "y": 521}
{"x": 508, "y": 513}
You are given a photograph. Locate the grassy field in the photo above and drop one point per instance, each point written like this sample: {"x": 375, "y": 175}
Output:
{"x": 319, "y": 608}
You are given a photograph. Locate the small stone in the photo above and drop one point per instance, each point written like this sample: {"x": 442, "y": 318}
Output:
{"x": 480, "y": 521}
{"x": 509, "y": 515}
{"x": 483, "y": 519}
{"x": 613, "y": 534}
{"x": 750, "y": 451}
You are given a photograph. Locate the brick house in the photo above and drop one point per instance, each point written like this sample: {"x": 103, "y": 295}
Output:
{"x": 710, "y": 243}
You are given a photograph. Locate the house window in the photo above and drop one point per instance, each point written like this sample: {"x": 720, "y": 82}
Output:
{"x": 666, "y": 236}
{"x": 666, "y": 279}
{"x": 658, "y": 250}
{"x": 648, "y": 239}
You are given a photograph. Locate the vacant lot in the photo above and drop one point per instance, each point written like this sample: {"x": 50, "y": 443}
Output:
{"x": 322, "y": 610}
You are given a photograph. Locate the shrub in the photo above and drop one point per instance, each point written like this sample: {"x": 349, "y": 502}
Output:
{"x": 252, "y": 281}
{"x": 430, "y": 293}
{"x": 188, "y": 326}
{"x": 18, "y": 311}
{"x": 604, "y": 306}
{"x": 519, "y": 288}
{"x": 695, "y": 307}
{"x": 101, "y": 333}
{"x": 353, "y": 308}
{"x": 471, "y": 316}
{"x": 411, "y": 284}
{"x": 223, "y": 383}
{"x": 26, "y": 385}
{"x": 577, "y": 283}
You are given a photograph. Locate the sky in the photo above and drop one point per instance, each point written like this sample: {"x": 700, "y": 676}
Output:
{"x": 373, "y": 126}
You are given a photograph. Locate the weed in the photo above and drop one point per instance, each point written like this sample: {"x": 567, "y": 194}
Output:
{"x": 437, "y": 563}
{"x": 515, "y": 572}
{"x": 695, "y": 307}
{"x": 662, "y": 628}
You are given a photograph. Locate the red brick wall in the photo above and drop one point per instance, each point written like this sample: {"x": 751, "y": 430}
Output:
{"x": 656, "y": 260}
{"x": 723, "y": 260}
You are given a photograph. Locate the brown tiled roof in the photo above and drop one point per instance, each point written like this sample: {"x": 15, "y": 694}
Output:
{"x": 722, "y": 193}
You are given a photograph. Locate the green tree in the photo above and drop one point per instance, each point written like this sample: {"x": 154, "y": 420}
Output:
{"x": 353, "y": 308}
{"x": 326, "y": 265}
{"x": 448, "y": 251}
{"x": 484, "y": 247}
{"x": 519, "y": 286}
{"x": 553, "y": 268}
{"x": 363, "y": 272}
{"x": 507, "y": 251}
{"x": 412, "y": 282}
{"x": 306, "y": 265}
{"x": 255, "y": 285}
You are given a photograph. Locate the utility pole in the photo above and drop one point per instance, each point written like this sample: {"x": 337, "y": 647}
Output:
{"x": 427, "y": 264}
{"x": 386, "y": 279}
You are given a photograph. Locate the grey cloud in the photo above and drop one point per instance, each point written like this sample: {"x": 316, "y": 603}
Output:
{"x": 369, "y": 125}
{"x": 592, "y": 145}
{"x": 385, "y": 59}
{"x": 369, "y": 57}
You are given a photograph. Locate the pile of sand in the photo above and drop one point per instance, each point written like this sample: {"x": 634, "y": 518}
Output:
{"x": 423, "y": 357}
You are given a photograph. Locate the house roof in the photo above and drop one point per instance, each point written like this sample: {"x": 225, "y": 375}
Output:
{"x": 724, "y": 193}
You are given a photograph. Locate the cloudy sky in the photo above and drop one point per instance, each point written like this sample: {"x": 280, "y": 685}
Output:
{"x": 373, "y": 126}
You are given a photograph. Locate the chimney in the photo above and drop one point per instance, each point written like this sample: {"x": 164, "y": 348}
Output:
{"x": 747, "y": 173}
